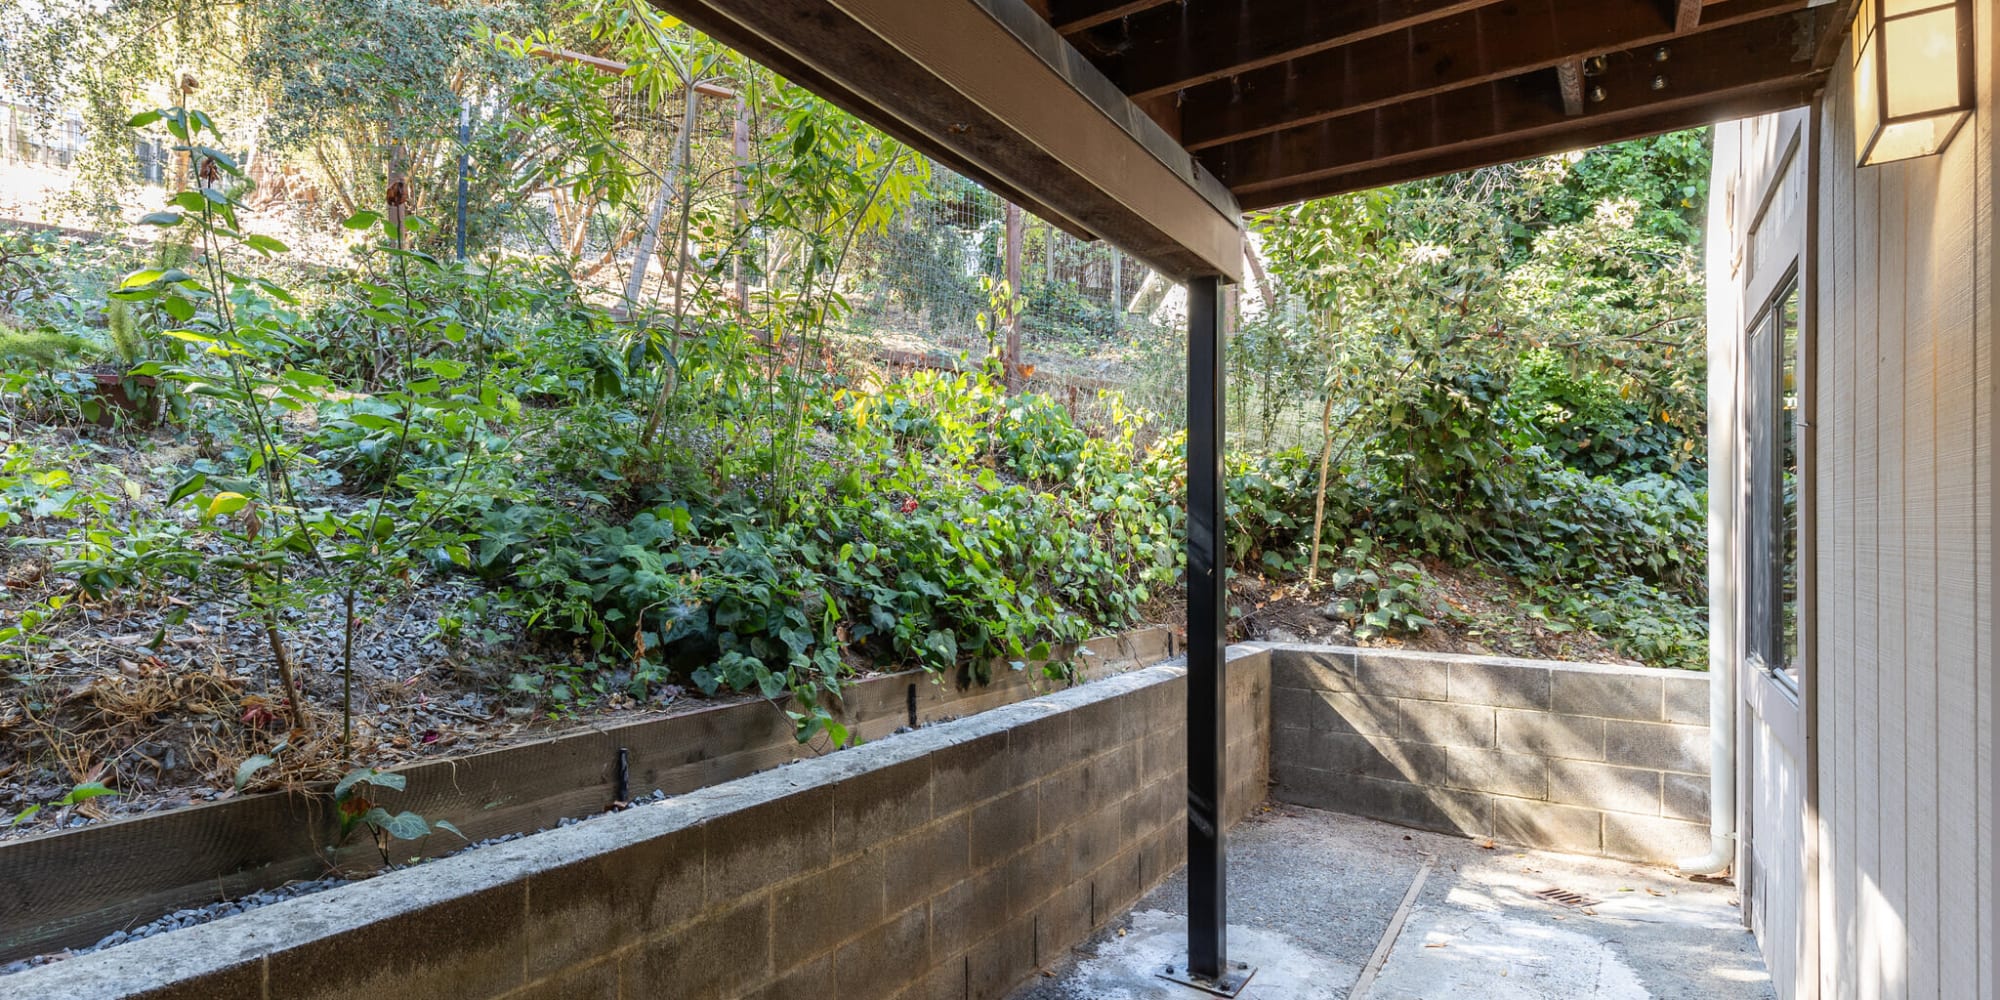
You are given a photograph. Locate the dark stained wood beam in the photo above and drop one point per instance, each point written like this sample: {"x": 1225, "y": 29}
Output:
{"x": 989, "y": 88}
{"x": 1489, "y": 43}
{"x": 1842, "y": 12}
{"x": 1071, "y": 16}
{"x": 1778, "y": 96}
{"x": 1707, "y": 69}
{"x": 1183, "y": 44}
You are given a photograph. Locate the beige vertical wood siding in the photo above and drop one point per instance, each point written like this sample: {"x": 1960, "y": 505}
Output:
{"x": 1903, "y": 648}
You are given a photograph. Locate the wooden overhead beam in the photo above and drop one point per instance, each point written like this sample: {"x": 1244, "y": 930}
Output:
{"x": 1483, "y": 45}
{"x": 990, "y": 88}
{"x": 1071, "y": 16}
{"x": 1181, "y": 45}
{"x": 1589, "y": 132}
{"x": 1708, "y": 69}
{"x": 713, "y": 24}
{"x": 1842, "y": 12}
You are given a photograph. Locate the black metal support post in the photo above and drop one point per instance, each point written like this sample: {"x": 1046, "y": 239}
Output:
{"x": 1208, "y": 910}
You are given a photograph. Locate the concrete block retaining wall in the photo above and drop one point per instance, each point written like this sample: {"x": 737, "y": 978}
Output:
{"x": 947, "y": 863}
{"x": 1583, "y": 758}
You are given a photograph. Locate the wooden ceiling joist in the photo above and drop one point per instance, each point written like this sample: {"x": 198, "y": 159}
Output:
{"x": 1182, "y": 45}
{"x": 1593, "y": 132}
{"x": 1489, "y": 43}
{"x": 1749, "y": 62}
{"x": 1153, "y": 123}
{"x": 1072, "y": 16}
{"x": 989, "y": 88}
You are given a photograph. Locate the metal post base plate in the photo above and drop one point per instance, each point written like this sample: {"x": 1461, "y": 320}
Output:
{"x": 1233, "y": 979}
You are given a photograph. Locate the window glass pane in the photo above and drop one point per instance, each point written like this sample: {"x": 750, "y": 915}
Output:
{"x": 1788, "y": 483}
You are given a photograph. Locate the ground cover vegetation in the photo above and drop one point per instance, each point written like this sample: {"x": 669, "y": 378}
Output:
{"x": 291, "y": 491}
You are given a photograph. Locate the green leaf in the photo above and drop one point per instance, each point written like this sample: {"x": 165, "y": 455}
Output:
{"x": 84, "y": 793}
{"x": 385, "y": 779}
{"x": 361, "y": 220}
{"x": 162, "y": 219}
{"x": 405, "y": 826}
{"x": 366, "y": 776}
{"x": 222, "y": 159}
{"x": 249, "y": 768}
{"x": 446, "y": 825}
{"x": 264, "y": 244}
{"x": 143, "y": 119}
{"x": 186, "y": 488}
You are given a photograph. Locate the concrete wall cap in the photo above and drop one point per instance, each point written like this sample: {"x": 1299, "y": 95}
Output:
{"x": 1415, "y": 655}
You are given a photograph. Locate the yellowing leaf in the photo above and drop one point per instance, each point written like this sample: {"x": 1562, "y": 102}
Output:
{"x": 227, "y": 503}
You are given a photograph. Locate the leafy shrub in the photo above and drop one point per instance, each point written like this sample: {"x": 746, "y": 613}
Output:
{"x": 1393, "y": 601}
{"x": 1270, "y": 510}
{"x": 44, "y": 349}
{"x": 1567, "y": 526}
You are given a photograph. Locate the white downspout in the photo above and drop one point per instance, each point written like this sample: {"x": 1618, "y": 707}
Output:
{"x": 1724, "y": 335}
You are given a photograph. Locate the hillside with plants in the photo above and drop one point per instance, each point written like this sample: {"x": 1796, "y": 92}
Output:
{"x": 1499, "y": 372}
{"x": 289, "y": 487}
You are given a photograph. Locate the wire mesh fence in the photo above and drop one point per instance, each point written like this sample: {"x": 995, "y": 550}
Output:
{"x": 922, "y": 278}
{"x": 1089, "y": 317}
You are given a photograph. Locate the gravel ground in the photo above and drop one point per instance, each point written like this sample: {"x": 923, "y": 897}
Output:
{"x": 162, "y": 701}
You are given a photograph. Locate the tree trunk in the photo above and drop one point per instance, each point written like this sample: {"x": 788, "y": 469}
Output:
{"x": 649, "y": 240}
{"x": 1264, "y": 290}
{"x": 1319, "y": 495}
{"x": 740, "y": 189}
{"x": 1117, "y": 289}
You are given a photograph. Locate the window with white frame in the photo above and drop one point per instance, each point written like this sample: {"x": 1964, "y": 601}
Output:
{"x": 1771, "y": 421}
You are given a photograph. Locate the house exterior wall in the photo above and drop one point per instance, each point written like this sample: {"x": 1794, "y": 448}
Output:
{"x": 1888, "y": 888}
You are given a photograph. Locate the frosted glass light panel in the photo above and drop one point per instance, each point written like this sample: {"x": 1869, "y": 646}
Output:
{"x": 1913, "y": 83}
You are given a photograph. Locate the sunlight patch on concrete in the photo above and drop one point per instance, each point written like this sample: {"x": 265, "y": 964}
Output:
{"x": 1479, "y": 955}
{"x": 1127, "y": 967}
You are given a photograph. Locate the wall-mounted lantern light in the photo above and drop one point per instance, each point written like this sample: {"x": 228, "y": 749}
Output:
{"x": 1913, "y": 82}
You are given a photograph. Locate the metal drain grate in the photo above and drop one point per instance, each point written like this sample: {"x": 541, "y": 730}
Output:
{"x": 1566, "y": 897}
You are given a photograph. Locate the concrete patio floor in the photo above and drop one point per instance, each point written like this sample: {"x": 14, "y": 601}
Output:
{"x": 1312, "y": 895}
